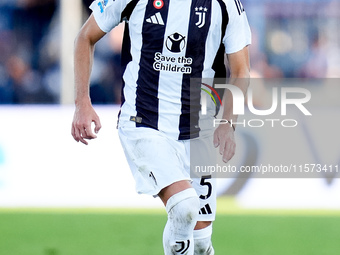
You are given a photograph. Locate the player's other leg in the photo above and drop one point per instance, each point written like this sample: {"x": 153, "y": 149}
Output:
{"x": 204, "y": 154}
{"x": 202, "y": 238}
{"x": 182, "y": 206}
{"x": 205, "y": 188}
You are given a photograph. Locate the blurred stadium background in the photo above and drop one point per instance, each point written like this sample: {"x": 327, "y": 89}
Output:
{"x": 59, "y": 197}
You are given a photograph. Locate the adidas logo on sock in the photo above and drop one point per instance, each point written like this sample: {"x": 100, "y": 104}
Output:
{"x": 156, "y": 19}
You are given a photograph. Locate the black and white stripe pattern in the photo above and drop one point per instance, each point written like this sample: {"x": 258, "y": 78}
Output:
{"x": 163, "y": 97}
{"x": 165, "y": 48}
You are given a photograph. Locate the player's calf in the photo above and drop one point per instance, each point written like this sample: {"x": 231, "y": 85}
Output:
{"x": 182, "y": 211}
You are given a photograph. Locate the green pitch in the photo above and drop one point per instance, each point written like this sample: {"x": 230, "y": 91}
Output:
{"x": 119, "y": 232}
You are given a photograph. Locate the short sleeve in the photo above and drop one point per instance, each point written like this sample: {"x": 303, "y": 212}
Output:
{"x": 107, "y": 13}
{"x": 237, "y": 35}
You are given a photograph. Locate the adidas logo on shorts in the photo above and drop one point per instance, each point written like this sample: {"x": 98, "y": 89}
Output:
{"x": 205, "y": 209}
{"x": 156, "y": 19}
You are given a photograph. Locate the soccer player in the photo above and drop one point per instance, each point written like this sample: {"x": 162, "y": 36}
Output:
{"x": 166, "y": 43}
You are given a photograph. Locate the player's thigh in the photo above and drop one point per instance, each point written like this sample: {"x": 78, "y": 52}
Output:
{"x": 156, "y": 161}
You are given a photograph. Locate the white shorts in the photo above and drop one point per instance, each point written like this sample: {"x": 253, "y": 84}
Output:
{"x": 157, "y": 161}
{"x": 202, "y": 152}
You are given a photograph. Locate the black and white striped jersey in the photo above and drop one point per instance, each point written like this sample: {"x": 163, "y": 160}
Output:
{"x": 168, "y": 42}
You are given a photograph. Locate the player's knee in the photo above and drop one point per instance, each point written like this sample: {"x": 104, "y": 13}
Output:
{"x": 187, "y": 210}
{"x": 182, "y": 209}
{"x": 184, "y": 206}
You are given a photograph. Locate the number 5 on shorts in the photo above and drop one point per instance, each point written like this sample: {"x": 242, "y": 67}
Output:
{"x": 205, "y": 182}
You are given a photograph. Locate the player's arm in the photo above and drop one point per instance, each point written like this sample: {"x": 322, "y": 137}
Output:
{"x": 239, "y": 76}
{"x": 84, "y": 114}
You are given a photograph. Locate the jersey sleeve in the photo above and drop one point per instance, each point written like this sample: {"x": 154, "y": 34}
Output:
{"x": 237, "y": 34}
{"x": 107, "y": 13}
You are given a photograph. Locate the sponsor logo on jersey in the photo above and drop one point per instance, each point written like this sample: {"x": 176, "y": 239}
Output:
{"x": 172, "y": 64}
{"x": 175, "y": 42}
{"x": 201, "y": 13}
{"x": 158, "y": 4}
{"x": 156, "y": 19}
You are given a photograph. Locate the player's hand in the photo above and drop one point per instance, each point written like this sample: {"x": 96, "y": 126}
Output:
{"x": 224, "y": 139}
{"x": 84, "y": 115}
